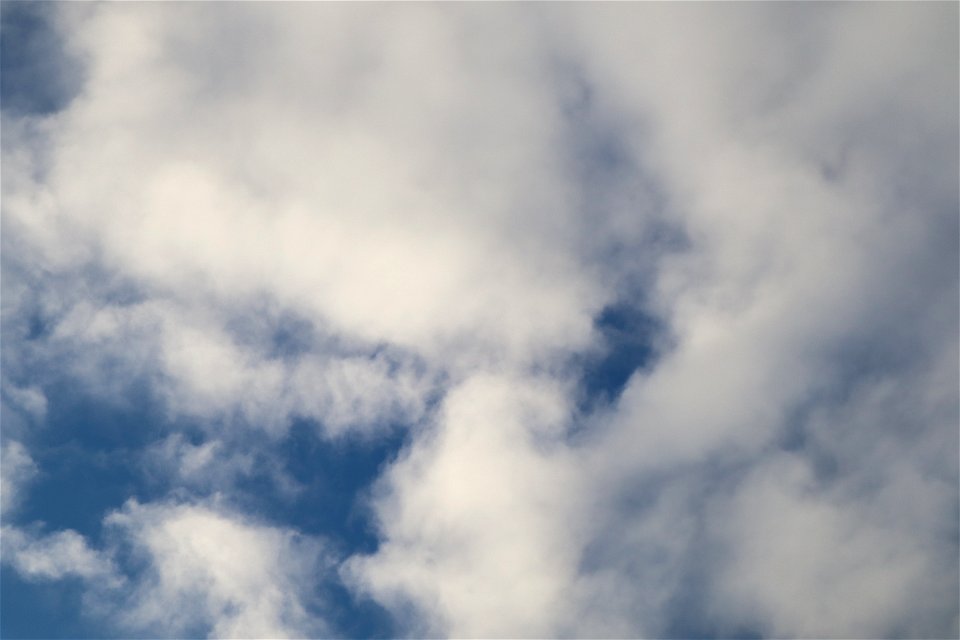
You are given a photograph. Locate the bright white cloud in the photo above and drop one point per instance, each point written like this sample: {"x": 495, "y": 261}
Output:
{"x": 202, "y": 371}
{"x": 185, "y": 569}
{"x": 480, "y": 518}
{"x": 218, "y": 572}
{"x": 356, "y": 218}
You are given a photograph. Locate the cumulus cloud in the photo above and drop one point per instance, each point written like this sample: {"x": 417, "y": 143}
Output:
{"x": 413, "y": 218}
{"x": 422, "y": 260}
{"x": 480, "y": 518}
{"x": 784, "y": 300}
{"x": 218, "y": 573}
{"x": 185, "y": 569}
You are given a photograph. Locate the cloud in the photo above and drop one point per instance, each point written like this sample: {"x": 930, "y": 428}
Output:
{"x": 185, "y": 569}
{"x": 414, "y": 219}
{"x": 202, "y": 369}
{"x": 416, "y": 261}
{"x": 218, "y": 572}
{"x": 796, "y": 293}
{"x": 805, "y": 562}
{"x": 53, "y": 556}
{"x": 17, "y": 469}
{"x": 480, "y": 518}
{"x": 206, "y": 466}
{"x": 794, "y": 287}
{"x": 459, "y": 263}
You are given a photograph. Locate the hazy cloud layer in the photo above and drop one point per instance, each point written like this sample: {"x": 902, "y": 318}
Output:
{"x": 408, "y": 227}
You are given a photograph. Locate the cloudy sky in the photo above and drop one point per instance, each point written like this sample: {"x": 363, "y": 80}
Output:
{"x": 480, "y": 320}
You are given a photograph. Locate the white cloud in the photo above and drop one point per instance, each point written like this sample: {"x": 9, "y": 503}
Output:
{"x": 185, "y": 569}
{"x": 54, "y": 556}
{"x": 465, "y": 264}
{"x": 479, "y": 519}
{"x": 431, "y": 255}
{"x": 404, "y": 180}
{"x": 17, "y": 468}
{"x": 799, "y": 285}
{"x": 794, "y": 273}
{"x": 23, "y": 408}
{"x": 219, "y": 572}
{"x": 808, "y": 564}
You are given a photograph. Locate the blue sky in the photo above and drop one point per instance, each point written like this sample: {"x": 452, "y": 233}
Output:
{"x": 479, "y": 320}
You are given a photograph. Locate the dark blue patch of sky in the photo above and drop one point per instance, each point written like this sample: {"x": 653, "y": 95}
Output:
{"x": 36, "y": 74}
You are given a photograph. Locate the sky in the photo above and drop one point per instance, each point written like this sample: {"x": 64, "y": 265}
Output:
{"x": 494, "y": 320}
